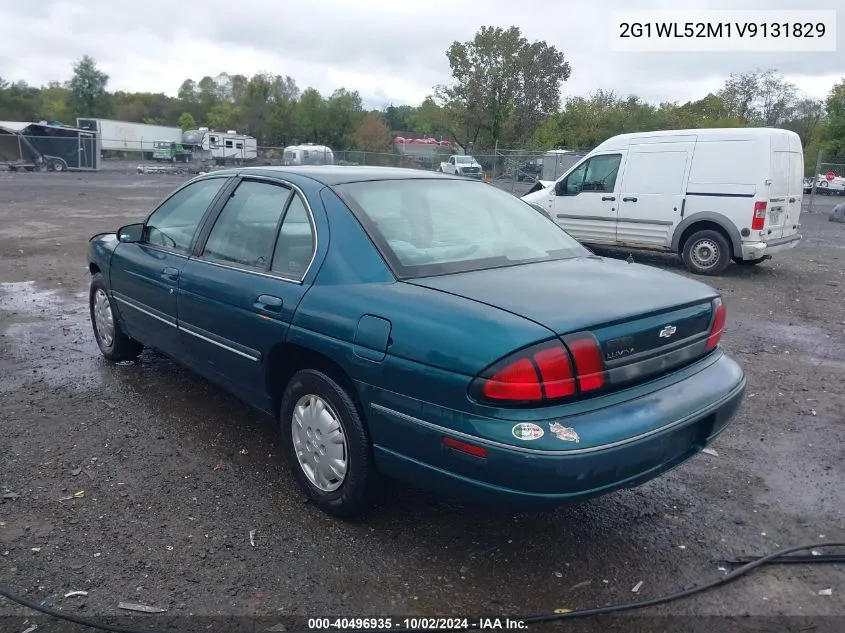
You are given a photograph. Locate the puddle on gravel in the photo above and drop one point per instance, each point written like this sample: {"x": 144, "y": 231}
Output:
{"x": 47, "y": 337}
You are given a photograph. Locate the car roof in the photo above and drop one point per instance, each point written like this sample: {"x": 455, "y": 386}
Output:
{"x": 330, "y": 175}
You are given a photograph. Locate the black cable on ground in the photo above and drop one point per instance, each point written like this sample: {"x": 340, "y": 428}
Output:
{"x": 771, "y": 559}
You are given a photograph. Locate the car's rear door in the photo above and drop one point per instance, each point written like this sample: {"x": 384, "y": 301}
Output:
{"x": 144, "y": 276}
{"x": 238, "y": 295}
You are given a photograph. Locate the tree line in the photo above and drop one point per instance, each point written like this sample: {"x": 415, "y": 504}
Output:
{"x": 505, "y": 92}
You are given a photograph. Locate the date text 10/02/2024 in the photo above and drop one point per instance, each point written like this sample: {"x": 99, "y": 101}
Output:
{"x": 415, "y": 623}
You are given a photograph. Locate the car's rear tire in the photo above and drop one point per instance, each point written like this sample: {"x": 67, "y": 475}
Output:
{"x": 113, "y": 342}
{"x": 706, "y": 252}
{"x": 327, "y": 444}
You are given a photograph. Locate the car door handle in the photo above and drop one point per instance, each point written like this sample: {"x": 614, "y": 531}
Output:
{"x": 629, "y": 199}
{"x": 792, "y": 199}
{"x": 170, "y": 273}
{"x": 268, "y": 303}
{"x": 608, "y": 198}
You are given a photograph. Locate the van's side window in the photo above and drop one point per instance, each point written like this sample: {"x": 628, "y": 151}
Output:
{"x": 597, "y": 174}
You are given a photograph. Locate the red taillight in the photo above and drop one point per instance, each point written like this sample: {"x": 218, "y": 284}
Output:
{"x": 516, "y": 381}
{"x": 585, "y": 350}
{"x": 718, "y": 324}
{"x": 543, "y": 372}
{"x": 759, "y": 219}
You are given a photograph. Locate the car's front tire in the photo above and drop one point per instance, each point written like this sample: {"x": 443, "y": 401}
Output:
{"x": 113, "y": 342}
{"x": 706, "y": 253}
{"x": 327, "y": 444}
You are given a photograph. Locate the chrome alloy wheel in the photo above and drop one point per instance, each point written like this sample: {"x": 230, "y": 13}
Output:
{"x": 319, "y": 442}
{"x": 103, "y": 317}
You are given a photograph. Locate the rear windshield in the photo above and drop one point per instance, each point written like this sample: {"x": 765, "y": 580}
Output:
{"x": 429, "y": 227}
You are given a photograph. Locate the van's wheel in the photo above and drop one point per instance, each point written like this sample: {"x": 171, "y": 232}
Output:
{"x": 57, "y": 164}
{"x": 114, "y": 344}
{"x": 706, "y": 253}
{"x": 327, "y": 444}
{"x": 748, "y": 262}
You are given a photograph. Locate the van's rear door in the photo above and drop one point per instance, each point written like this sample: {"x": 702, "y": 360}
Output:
{"x": 778, "y": 203}
{"x": 786, "y": 189}
{"x": 795, "y": 193}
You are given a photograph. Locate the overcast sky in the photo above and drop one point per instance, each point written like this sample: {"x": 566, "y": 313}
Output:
{"x": 388, "y": 50}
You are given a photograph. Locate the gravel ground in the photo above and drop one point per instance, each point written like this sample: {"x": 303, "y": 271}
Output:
{"x": 142, "y": 483}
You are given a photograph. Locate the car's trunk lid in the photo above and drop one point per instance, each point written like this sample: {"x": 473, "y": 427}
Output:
{"x": 646, "y": 321}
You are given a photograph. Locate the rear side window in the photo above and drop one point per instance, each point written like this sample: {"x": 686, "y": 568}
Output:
{"x": 655, "y": 172}
{"x": 295, "y": 244}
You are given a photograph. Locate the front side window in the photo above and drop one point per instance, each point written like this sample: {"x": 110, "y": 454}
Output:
{"x": 429, "y": 227}
{"x": 596, "y": 174}
{"x": 174, "y": 223}
{"x": 245, "y": 231}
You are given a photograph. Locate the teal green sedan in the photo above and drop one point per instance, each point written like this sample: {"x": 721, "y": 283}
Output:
{"x": 423, "y": 327}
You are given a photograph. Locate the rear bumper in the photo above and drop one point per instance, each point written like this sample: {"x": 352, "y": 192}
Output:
{"x": 520, "y": 476}
{"x": 759, "y": 250}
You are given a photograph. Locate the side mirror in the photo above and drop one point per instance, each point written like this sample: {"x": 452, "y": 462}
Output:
{"x": 560, "y": 187}
{"x": 131, "y": 233}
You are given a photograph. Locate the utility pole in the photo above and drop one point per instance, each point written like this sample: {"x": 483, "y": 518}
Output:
{"x": 815, "y": 180}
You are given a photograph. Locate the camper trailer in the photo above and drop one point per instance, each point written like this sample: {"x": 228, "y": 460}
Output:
{"x": 230, "y": 147}
{"x": 308, "y": 154}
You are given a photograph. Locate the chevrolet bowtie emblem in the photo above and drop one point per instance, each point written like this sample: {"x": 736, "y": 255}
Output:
{"x": 668, "y": 331}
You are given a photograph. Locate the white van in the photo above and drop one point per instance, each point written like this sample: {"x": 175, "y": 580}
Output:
{"x": 710, "y": 195}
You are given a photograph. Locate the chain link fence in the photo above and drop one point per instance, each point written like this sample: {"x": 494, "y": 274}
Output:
{"x": 828, "y": 180}
{"x": 63, "y": 149}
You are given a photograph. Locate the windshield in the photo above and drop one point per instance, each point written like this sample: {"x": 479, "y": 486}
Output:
{"x": 432, "y": 227}
{"x": 463, "y": 159}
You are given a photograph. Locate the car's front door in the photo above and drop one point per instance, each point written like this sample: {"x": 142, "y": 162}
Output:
{"x": 144, "y": 276}
{"x": 586, "y": 200}
{"x": 237, "y": 298}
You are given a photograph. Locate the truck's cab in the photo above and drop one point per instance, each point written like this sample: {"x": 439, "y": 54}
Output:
{"x": 462, "y": 165}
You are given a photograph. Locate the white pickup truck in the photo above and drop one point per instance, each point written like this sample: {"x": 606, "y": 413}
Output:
{"x": 462, "y": 165}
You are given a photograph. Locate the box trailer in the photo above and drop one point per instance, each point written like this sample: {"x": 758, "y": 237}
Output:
{"x": 125, "y": 136}
{"x": 46, "y": 146}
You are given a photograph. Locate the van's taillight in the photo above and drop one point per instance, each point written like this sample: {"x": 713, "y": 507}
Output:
{"x": 541, "y": 373}
{"x": 759, "y": 220}
{"x": 717, "y": 325}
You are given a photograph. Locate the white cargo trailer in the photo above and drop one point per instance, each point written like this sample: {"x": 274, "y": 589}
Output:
{"x": 125, "y": 136}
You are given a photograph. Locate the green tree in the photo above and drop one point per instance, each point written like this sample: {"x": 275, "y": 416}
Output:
{"x": 311, "y": 117}
{"x": 344, "y": 110}
{"x": 833, "y": 143}
{"x": 88, "y": 89}
{"x": 187, "y": 122}
{"x": 501, "y": 78}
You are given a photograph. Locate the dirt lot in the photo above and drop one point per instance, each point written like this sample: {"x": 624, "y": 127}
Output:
{"x": 177, "y": 474}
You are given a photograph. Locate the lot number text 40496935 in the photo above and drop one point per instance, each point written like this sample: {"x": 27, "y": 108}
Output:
{"x": 702, "y": 31}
